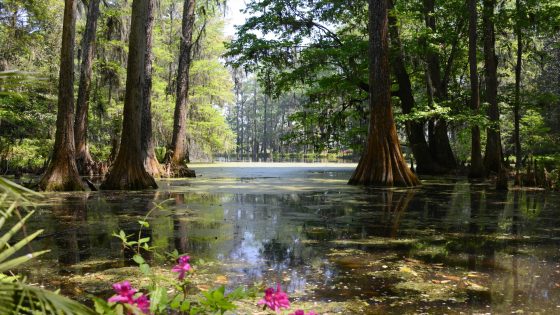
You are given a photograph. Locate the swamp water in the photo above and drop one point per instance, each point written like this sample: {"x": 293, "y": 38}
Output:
{"x": 448, "y": 247}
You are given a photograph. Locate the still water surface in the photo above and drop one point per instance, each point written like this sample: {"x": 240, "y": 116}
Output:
{"x": 446, "y": 247}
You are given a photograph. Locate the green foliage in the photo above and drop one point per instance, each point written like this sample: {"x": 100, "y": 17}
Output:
{"x": 168, "y": 294}
{"x": 24, "y": 111}
{"x": 318, "y": 49}
{"x": 17, "y": 297}
{"x": 536, "y": 133}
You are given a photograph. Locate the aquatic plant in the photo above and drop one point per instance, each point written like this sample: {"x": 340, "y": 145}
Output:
{"x": 172, "y": 295}
{"x": 17, "y": 297}
{"x": 164, "y": 295}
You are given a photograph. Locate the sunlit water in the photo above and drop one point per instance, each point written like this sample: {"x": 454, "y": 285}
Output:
{"x": 446, "y": 247}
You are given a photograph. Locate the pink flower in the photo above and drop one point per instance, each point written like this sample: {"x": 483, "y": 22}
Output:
{"x": 275, "y": 300}
{"x": 182, "y": 266}
{"x": 143, "y": 303}
{"x": 125, "y": 295}
{"x": 301, "y": 312}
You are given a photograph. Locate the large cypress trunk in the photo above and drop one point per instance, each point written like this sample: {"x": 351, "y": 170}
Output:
{"x": 425, "y": 164}
{"x": 83, "y": 158}
{"x": 128, "y": 170}
{"x": 477, "y": 168}
{"x": 179, "y": 149}
{"x": 151, "y": 164}
{"x": 382, "y": 162}
{"x": 62, "y": 173}
{"x": 493, "y": 153}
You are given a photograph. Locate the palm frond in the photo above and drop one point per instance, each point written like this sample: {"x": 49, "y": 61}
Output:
{"x": 16, "y": 297}
{"x": 19, "y": 298}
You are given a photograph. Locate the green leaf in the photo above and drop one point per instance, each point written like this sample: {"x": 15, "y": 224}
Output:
{"x": 145, "y": 269}
{"x": 138, "y": 259}
{"x": 12, "y": 263}
{"x": 185, "y": 306}
{"x": 12, "y": 250}
{"x": 176, "y": 302}
{"x": 8, "y": 235}
{"x": 144, "y": 240}
{"x": 144, "y": 223}
{"x": 158, "y": 298}
{"x": 17, "y": 296}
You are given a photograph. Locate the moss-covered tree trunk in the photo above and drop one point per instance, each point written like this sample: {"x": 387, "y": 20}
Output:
{"x": 62, "y": 173}
{"x": 179, "y": 149}
{"x": 477, "y": 167}
{"x": 493, "y": 159}
{"x": 128, "y": 170}
{"x": 84, "y": 161}
{"x": 382, "y": 162}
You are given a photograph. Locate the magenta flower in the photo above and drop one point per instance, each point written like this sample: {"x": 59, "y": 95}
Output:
{"x": 301, "y": 312}
{"x": 182, "y": 266}
{"x": 125, "y": 295}
{"x": 275, "y": 300}
{"x": 143, "y": 304}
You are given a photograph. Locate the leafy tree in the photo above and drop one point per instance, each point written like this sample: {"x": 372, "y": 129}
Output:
{"x": 382, "y": 162}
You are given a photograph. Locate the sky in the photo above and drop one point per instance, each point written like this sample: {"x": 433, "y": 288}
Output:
{"x": 233, "y": 16}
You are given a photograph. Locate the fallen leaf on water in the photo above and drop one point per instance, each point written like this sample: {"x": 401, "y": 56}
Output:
{"x": 452, "y": 278}
{"x": 475, "y": 286}
{"x": 221, "y": 279}
{"x": 476, "y": 275}
{"x": 408, "y": 270}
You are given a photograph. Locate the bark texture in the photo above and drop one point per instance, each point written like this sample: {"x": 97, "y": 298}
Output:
{"x": 493, "y": 153}
{"x": 84, "y": 161}
{"x": 179, "y": 150}
{"x": 477, "y": 167}
{"x": 128, "y": 170}
{"x": 62, "y": 173}
{"x": 382, "y": 162}
{"x": 151, "y": 164}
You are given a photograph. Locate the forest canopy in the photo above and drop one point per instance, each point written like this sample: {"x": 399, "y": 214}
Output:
{"x": 473, "y": 86}
{"x": 30, "y": 33}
